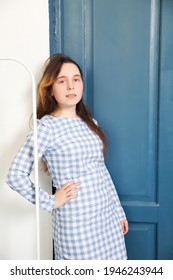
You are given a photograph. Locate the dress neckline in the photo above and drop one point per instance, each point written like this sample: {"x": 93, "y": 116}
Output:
{"x": 65, "y": 118}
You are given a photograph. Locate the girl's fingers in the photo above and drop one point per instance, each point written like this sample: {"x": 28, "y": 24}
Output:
{"x": 72, "y": 192}
{"x": 66, "y": 185}
{"x": 70, "y": 185}
{"x": 71, "y": 197}
{"x": 125, "y": 227}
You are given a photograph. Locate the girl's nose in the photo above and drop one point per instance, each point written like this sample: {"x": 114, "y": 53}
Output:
{"x": 70, "y": 85}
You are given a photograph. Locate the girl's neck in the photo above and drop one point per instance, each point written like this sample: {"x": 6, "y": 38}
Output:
{"x": 65, "y": 113}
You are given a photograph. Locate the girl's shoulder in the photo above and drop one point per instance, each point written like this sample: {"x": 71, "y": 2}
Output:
{"x": 50, "y": 122}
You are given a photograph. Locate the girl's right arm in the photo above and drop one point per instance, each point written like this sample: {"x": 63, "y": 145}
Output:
{"x": 19, "y": 173}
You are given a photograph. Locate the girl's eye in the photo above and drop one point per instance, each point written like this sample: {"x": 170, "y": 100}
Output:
{"x": 76, "y": 80}
{"x": 61, "y": 82}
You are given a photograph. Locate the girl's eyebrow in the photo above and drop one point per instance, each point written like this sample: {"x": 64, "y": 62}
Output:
{"x": 76, "y": 75}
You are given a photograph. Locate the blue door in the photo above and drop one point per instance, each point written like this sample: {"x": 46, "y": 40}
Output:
{"x": 125, "y": 49}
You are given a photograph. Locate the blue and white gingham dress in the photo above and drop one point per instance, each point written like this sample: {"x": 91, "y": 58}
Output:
{"x": 88, "y": 227}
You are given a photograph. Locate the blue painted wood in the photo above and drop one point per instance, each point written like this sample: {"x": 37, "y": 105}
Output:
{"x": 55, "y": 26}
{"x": 142, "y": 211}
{"x": 141, "y": 238}
{"x": 124, "y": 88}
{"x": 165, "y": 176}
{"x": 153, "y": 97}
{"x": 124, "y": 48}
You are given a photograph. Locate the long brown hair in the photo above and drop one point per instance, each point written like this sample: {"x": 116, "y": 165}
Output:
{"x": 47, "y": 104}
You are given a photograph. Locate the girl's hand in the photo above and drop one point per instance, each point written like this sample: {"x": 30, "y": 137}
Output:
{"x": 124, "y": 224}
{"x": 66, "y": 193}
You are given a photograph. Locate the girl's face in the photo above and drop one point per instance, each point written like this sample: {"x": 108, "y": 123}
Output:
{"x": 68, "y": 87}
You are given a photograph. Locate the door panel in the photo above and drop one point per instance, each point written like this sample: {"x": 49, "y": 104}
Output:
{"x": 124, "y": 48}
{"x": 124, "y": 89}
{"x": 144, "y": 237}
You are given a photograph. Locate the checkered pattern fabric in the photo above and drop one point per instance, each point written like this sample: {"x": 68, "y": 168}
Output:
{"x": 87, "y": 227}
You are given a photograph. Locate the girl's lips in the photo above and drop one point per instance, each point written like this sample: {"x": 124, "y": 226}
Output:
{"x": 71, "y": 96}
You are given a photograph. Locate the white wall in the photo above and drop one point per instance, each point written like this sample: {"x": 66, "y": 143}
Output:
{"x": 24, "y": 35}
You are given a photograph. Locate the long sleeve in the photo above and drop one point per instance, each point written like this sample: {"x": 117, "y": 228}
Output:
{"x": 19, "y": 173}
